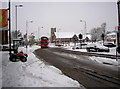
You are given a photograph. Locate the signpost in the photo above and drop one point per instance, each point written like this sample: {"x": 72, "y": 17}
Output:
{"x": 4, "y": 19}
{"x": 4, "y": 26}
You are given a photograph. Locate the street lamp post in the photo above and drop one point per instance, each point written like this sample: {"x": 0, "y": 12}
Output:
{"x": 16, "y": 16}
{"x": 58, "y": 36}
{"x": 27, "y": 31}
{"x": 85, "y": 30}
{"x": 9, "y": 26}
{"x": 38, "y": 32}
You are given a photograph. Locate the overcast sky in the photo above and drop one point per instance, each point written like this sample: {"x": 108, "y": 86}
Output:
{"x": 64, "y": 16}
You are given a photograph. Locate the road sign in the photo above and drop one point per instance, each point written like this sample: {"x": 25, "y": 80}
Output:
{"x": 3, "y": 19}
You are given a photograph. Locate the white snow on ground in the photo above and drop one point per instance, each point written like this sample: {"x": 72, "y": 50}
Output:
{"x": 33, "y": 73}
{"x": 107, "y": 61}
{"x": 101, "y": 60}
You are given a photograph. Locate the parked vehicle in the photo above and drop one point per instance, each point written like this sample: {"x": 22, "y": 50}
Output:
{"x": 80, "y": 46}
{"x": 15, "y": 55}
{"x": 108, "y": 44}
{"x": 58, "y": 44}
{"x": 6, "y": 47}
{"x": 97, "y": 48}
{"x": 21, "y": 56}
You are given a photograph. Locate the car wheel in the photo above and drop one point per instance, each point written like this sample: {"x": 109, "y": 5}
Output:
{"x": 24, "y": 59}
{"x": 88, "y": 50}
{"x": 97, "y": 50}
{"x": 13, "y": 59}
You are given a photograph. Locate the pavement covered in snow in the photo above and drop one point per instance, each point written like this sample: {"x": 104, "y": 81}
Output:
{"x": 33, "y": 73}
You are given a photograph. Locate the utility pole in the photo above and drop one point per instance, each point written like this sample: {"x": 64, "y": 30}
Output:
{"x": 9, "y": 28}
{"x": 38, "y": 32}
{"x": 16, "y": 17}
{"x": 27, "y": 32}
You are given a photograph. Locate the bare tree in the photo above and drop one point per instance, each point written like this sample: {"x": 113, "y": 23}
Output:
{"x": 94, "y": 34}
{"x": 103, "y": 26}
{"x": 97, "y": 32}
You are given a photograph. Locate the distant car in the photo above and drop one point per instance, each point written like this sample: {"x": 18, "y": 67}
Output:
{"x": 97, "y": 48}
{"x": 58, "y": 44}
{"x": 109, "y": 45}
{"x": 80, "y": 46}
{"x": 4, "y": 47}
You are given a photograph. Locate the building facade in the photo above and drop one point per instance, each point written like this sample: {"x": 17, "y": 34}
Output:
{"x": 53, "y": 30}
{"x": 3, "y": 36}
{"x": 3, "y": 26}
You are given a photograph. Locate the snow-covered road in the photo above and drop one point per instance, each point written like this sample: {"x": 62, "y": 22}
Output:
{"x": 33, "y": 73}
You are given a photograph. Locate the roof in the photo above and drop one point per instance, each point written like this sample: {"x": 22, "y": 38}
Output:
{"x": 84, "y": 36}
{"x": 113, "y": 33}
{"x": 64, "y": 34}
{"x": 16, "y": 39}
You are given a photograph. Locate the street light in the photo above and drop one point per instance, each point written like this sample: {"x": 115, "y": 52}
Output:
{"x": 16, "y": 16}
{"x": 27, "y": 31}
{"x": 58, "y": 36}
{"x": 38, "y": 32}
{"x": 84, "y": 27}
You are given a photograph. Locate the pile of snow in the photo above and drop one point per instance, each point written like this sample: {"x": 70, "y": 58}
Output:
{"x": 106, "y": 61}
{"x": 33, "y": 73}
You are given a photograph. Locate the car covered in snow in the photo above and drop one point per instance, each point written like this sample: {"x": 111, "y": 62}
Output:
{"x": 80, "y": 46}
{"x": 96, "y": 47}
{"x": 109, "y": 44}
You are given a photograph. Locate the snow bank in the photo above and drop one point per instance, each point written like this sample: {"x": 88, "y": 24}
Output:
{"x": 33, "y": 73}
{"x": 107, "y": 61}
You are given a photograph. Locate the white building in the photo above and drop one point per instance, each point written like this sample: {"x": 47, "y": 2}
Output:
{"x": 64, "y": 36}
{"x": 111, "y": 37}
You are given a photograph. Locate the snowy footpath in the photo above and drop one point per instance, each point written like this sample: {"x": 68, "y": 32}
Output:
{"x": 33, "y": 73}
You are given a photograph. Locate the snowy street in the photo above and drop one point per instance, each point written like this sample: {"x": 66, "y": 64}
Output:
{"x": 60, "y": 44}
{"x": 38, "y": 73}
{"x": 33, "y": 73}
{"x": 90, "y": 71}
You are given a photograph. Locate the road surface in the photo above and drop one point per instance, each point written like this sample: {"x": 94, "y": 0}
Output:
{"x": 87, "y": 72}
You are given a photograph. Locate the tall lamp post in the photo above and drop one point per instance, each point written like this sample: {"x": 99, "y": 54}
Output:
{"x": 38, "y": 32}
{"x": 84, "y": 27}
{"x": 16, "y": 16}
{"x": 58, "y": 36}
{"x": 9, "y": 27}
{"x": 27, "y": 31}
{"x": 118, "y": 5}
